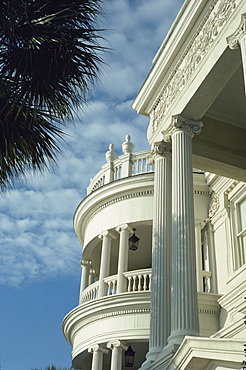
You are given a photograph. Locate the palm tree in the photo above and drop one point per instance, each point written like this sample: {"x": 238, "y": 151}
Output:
{"x": 49, "y": 57}
{"x": 53, "y": 367}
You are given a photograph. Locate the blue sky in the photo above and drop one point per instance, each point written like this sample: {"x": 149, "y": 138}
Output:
{"x": 39, "y": 259}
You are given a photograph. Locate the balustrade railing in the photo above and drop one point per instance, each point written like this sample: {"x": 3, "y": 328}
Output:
{"x": 124, "y": 166}
{"x": 90, "y": 293}
{"x": 138, "y": 281}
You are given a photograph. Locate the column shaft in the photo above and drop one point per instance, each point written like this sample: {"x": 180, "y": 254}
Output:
{"x": 105, "y": 262}
{"x": 85, "y": 265}
{"x": 184, "y": 319}
{"x": 97, "y": 356}
{"x": 97, "y": 360}
{"x": 116, "y": 358}
{"x": 123, "y": 257}
{"x": 161, "y": 253}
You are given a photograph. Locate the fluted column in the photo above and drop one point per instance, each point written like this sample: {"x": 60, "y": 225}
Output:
{"x": 198, "y": 241}
{"x": 184, "y": 305}
{"x": 97, "y": 356}
{"x": 105, "y": 261}
{"x": 161, "y": 250}
{"x": 238, "y": 40}
{"x": 124, "y": 232}
{"x": 85, "y": 265}
{"x": 116, "y": 359}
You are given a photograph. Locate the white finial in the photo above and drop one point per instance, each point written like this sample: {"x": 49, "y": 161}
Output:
{"x": 127, "y": 146}
{"x": 110, "y": 154}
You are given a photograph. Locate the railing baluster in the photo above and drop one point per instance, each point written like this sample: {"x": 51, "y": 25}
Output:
{"x": 139, "y": 282}
{"x": 114, "y": 287}
{"x": 145, "y": 282}
{"x": 134, "y": 283}
{"x": 129, "y": 284}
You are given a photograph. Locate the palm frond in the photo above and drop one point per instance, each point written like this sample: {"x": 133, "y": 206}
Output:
{"x": 49, "y": 57}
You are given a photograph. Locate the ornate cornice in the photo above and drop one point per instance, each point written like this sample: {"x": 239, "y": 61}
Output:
{"x": 116, "y": 313}
{"x": 195, "y": 51}
{"x": 160, "y": 149}
{"x": 181, "y": 123}
{"x": 235, "y": 39}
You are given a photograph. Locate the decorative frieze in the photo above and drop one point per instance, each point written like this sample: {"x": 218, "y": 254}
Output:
{"x": 115, "y": 313}
{"x": 194, "y": 53}
{"x": 214, "y": 205}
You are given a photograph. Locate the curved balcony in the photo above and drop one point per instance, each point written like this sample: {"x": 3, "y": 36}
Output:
{"x": 137, "y": 281}
{"x": 124, "y": 316}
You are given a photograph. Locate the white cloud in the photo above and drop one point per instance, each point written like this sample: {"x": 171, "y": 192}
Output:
{"x": 36, "y": 234}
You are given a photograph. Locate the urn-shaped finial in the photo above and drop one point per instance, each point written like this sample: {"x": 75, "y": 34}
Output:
{"x": 127, "y": 146}
{"x": 110, "y": 154}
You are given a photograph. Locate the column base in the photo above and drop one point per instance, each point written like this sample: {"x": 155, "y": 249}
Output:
{"x": 177, "y": 336}
{"x": 151, "y": 356}
{"x": 160, "y": 360}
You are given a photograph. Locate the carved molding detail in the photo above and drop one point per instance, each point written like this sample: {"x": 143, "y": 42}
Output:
{"x": 160, "y": 149}
{"x": 97, "y": 348}
{"x": 117, "y": 344}
{"x": 235, "y": 39}
{"x": 214, "y": 205}
{"x": 181, "y": 123}
{"x": 116, "y": 313}
{"x": 107, "y": 234}
{"x": 195, "y": 51}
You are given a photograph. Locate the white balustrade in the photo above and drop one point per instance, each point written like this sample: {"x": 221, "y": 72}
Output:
{"x": 138, "y": 281}
{"x": 112, "y": 284}
{"x": 140, "y": 163}
{"x": 90, "y": 293}
{"x": 137, "y": 162}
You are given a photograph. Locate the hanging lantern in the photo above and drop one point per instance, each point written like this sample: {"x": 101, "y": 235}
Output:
{"x": 129, "y": 357}
{"x": 133, "y": 241}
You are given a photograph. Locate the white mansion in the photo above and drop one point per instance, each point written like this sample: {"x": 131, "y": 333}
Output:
{"x": 163, "y": 231}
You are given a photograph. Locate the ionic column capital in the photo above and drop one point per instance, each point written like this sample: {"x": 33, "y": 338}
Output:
{"x": 107, "y": 234}
{"x": 97, "y": 348}
{"x": 85, "y": 263}
{"x": 124, "y": 227}
{"x": 117, "y": 344}
{"x": 192, "y": 127}
{"x": 235, "y": 39}
{"x": 160, "y": 149}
